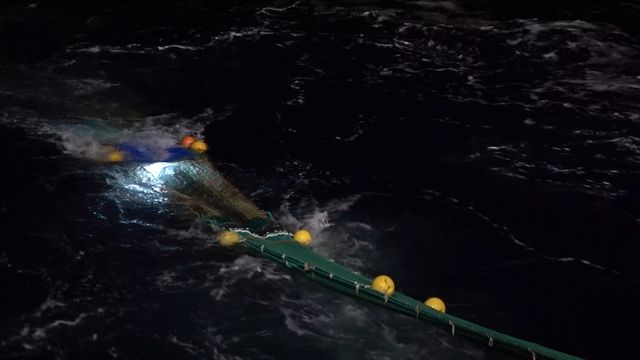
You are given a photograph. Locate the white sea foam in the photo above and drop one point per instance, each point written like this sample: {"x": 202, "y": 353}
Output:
{"x": 342, "y": 241}
{"x": 87, "y": 138}
{"x": 246, "y": 267}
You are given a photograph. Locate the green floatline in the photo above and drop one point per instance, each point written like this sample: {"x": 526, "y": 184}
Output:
{"x": 197, "y": 184}
{"x": 281, "y": 248}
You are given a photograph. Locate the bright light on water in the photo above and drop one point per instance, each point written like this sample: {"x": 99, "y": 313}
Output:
{"x": 148, "y": 181}
{"x": 153, "y": 175}
{"x": 159, "y": 170}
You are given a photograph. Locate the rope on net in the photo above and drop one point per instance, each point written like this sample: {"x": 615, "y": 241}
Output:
{"x": 399, "y": 302}
{"x": 223, "y": 206}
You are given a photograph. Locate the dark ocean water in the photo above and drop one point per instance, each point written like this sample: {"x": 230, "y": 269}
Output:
{"x": 487, "y": 152}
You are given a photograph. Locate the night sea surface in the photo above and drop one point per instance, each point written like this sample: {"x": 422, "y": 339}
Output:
{"x": 486, "y": 152}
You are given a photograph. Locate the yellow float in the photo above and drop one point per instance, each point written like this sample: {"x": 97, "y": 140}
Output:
{"x": 303, "y": 237}
{"x": 436, "y": 304}
{"x": 228, "y": 238}
{"x": 199, "y": 146}
{"x": 115, "y": 156}
{"x": 383, "y": 284}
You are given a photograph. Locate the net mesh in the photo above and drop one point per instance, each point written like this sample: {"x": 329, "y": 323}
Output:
{"x": 198, "y": 185}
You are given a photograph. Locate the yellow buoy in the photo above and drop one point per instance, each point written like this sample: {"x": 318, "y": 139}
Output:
{"x": 199, "y": 146}
{"x": 436, "y": 304}
{"x": 303, "y": 237}
{"x": 383, "y": 284}
{"x": 187, "y": 141}
{"x": 115, "y": 156}
{"x": 228, "y": 238}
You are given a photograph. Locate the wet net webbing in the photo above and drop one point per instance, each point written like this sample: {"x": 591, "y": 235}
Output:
{"x": 199, "y": 186}
{"x": 202, "y": 188}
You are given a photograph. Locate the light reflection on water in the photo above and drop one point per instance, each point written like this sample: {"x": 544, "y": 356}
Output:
{"x": 146, "y": 182}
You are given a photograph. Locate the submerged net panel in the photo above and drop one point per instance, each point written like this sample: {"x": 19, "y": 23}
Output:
{"x": 200, "y": 186}
{"x": 203, "y": 189}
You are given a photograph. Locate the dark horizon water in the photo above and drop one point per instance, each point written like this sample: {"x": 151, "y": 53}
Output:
{"x": 487, "y": 152}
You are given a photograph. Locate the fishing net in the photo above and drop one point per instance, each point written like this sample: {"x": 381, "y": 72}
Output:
{"x": 198, "y": 185}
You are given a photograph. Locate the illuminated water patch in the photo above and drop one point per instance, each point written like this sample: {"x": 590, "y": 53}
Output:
{"x": 148, "y": 181}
